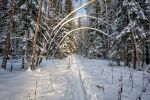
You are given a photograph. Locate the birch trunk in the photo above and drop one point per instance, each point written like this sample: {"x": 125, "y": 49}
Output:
{"x": 37, "y": 27}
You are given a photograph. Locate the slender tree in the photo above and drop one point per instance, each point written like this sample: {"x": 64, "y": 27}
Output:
{"x": 34, "y": 45}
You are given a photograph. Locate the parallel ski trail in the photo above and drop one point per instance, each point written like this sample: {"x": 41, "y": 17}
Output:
{"x": 74, "y": 89}
{"x": 76, "y": 81}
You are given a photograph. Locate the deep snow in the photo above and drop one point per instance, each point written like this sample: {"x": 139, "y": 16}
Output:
{"x": 74, "y": 78}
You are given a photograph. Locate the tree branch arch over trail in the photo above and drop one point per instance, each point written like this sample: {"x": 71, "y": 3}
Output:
{"x": 53, "y": 30}
{"x": 67, "y": 33}
{"x": 86, "y": 16}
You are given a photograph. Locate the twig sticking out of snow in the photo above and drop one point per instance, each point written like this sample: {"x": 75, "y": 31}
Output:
{"x": 51, "y": 83}
{"x": 100, "y": 87}
{"x": 112, "y": 76}
{"x": 131, "y": 80}
{"x": 36, "y": 85}
{"x": 29, "y": 97}
{"x": 121, "y": 87}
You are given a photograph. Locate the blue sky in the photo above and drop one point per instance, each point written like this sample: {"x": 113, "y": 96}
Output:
{"x": 78, "y": 3}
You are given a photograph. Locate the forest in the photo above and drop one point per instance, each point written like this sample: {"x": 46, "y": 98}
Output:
{"x": 74, "y": 49}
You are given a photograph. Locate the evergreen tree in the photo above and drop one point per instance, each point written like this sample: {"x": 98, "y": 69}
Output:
{"x": 130, "y": 27}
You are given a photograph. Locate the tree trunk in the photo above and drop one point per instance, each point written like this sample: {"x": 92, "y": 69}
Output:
{"x": 134, "y": 51}
{"x": 38, "y": 57}
{"x": 134, "y": 44}
{"x": 48, "y": 8}
{"x": 32, "y": 66}
{"x": 6, "y": 49}
{"x": 47, "y": 14}
{"x": 23, "y": 57}
{"x": 147, "y": 58}
{"x": 127, "y": 55}
{"x": 143, "y": 53}
{"x": 134, "y": 59}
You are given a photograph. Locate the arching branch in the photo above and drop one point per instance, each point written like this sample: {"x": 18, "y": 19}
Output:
{"x": 74, "y": 19}
{"x": 68, "y": 17}
{"x": 67, "y": 33}
{"x": 72, "y": 13}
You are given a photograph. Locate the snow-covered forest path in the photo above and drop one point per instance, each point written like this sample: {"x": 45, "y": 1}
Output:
{"x": 75, "y": 82}
{"x": 53, "y": 80}
{"x": 74, "y": 78}
{"x": 61, "y": 81}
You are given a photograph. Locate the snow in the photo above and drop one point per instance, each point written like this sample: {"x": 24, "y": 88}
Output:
{"x": 142, "y": 16}
{"x": 74, "y": 78}
{"x": 24, "y": 6}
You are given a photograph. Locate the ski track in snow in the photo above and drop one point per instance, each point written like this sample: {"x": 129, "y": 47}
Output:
{"x": 73, "y": 78}
{"x": 76, "y": 82}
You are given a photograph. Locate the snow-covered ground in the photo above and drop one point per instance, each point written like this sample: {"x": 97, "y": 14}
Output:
{"x": 74, "y": 78}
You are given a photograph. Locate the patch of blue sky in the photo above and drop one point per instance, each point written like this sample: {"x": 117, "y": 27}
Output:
{"x": 78, "y": 3}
